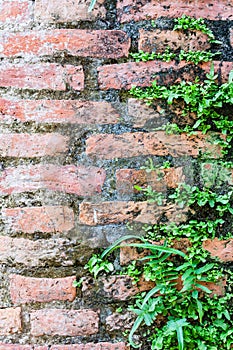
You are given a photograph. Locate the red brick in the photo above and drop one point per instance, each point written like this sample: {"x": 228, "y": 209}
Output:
{"x": 15, "y": 12}
{"x": 125, "y": 75}
{"x": 120, "y": 321}
{"x": 158, "y": 40}
{"x": 91, "y": 346}
{"x": 64, "y": 322}
{"x": 143, "y": 116}
{"x": 32, "y": 145}
{"x": 10, "y": 321}
{"x": 60, "y": 11}
{"x": 210, "y": 9}
{"x": 83, "y": 181}
{"x": 19, "y": 347}
{"x": 159, "y": 180}
{"x": 31, "y": 290}
{"x": 35, "y": 253}
{"x": 48, "y": 219}
{"x": 39, "y": 76}
{"x": 58, "y": 111}
{"x": 222, "y": 249}
{"x": 158, "y": 143}
{"x": 75, "y": 42}
{"x": 105, "y": 213}
{"x": 122, "y": 287}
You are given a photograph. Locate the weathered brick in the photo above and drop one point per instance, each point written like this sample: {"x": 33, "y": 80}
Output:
{"x": 46, "y": 219}
{"x": 58, "y": 111}
{"x": 60, "y": 11}
{"x": 222, "y": 249}
{"x": 122, "y": 287}
{"x": 39, "y": 76}
{"x": 158, "y": 143}
{"x": 159, "y": 180}
{"x": 125, "y": 75}
{"x": 92, "y": 346}
{"x": 35, "y": 253}
{"x": 158, "y": 114}
{"x": 32, "y": 145}
{"x": 31, "y": 290}
{"x": 80, "y": 180}
{"x": 105, "y": 213}
{"x": 120, "y": 321}
{"x": 158, "y": 40}
{"x": 10, "y": 321}
{"x": 15, "y": 12}
{"x": 64, "y": 322}
{"x": 210, "y": 9}
{"x": 19, "y": 347}
{"x": 75, "y": 42}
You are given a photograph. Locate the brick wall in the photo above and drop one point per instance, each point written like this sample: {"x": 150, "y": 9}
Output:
{"x": 72, "y": 143}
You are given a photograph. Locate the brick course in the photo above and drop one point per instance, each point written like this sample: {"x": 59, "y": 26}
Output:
{"x": 80, "y": 180}
{"x": 127, "y": 145}
{"x": 64, "y": 322}
{"x": 210, "y": 9}
{"x": 75, "y": 42}
{"x": 58, "y": 111}
{"x": 46, "y": 219}
{"x": 32, "y": 290}
{"x": 32, "y": 145}
{"x": 39, "y": 76}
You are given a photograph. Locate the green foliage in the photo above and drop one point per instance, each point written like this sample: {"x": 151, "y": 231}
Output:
{"x": 191, "y": 317}
{"x": 190, "y": 23}
{"x": 197, "y": 56}
{"x": 96, "y": 264}
{"x": 166, "y": 56}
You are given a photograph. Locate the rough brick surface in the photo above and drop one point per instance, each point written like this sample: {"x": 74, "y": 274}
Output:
{"x": 64, "y": 322}
{"x": 35, "y": 253}
{"x": 10, "y": 321}
{"x": 222, "y": 249}
{"x": 19, "y": 347}
{"x": 158, "y": 40}
{"x": 39, "y": 76}
{"x": 31, "y": 290}
{"x": 92, "y": 346}
{"x": 32, "y": 145}
{"x": 159, "y": 180}
{"x": 144, "y": 116}
{"x": 67, "y": 11}
{"x": 84, "y": 43}
{"x": 125, "y": 75}
{"x": 127, "y": 145}
{"x": 210, "y": 9}
{"x": 117, "y": 212}
{"x": 15, "y": 12}
{"x": 69, "y": 178}
{"x": 122, "y": 287}
{"x": 47, "y": 219}
{"x": 58, "y": 111}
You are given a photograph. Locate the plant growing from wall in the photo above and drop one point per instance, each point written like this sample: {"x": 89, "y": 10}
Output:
{"x": 190, "y": 316}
